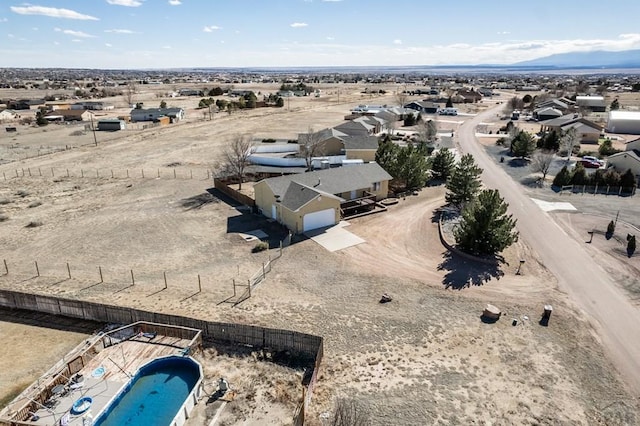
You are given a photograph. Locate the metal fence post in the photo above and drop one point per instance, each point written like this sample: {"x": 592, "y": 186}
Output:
{"x": 68, "y": 270}
{"x": 100, "y": 271}
{"x": 37, "y": 269}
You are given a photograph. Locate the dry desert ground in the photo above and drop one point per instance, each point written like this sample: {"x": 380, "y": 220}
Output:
{"x": 425, "y": 358}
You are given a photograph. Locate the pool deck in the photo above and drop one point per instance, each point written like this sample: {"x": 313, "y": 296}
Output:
{"x": 120, "y": 362}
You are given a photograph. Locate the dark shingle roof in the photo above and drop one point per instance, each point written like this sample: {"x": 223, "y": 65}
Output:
{"x": 298, "y": 195}
{"x": 332, "y": 181}
{"x": 360, "y": 142}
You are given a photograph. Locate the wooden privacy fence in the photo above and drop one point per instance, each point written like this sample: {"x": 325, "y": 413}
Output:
{"x": 137, "y": 173}
{"x": 303, "y": 345}
{"x": 223, "y": 186}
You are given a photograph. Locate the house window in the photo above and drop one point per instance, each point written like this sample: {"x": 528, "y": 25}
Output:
{"x": 376, "y": 186}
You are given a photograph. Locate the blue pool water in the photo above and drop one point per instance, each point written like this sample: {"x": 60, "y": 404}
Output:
{"x": 154, "y": 395}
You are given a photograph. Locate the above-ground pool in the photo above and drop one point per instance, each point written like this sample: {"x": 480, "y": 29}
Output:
{"x": 155, "y": 395}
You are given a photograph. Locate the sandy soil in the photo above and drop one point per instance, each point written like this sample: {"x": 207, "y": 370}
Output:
{"x": 424, "y": 358}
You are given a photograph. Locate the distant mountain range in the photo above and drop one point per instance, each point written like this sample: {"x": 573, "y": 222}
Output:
{"x": 595, "y": 59}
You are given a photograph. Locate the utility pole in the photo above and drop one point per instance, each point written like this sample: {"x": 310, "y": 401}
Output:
{"x": 95, "y": 140}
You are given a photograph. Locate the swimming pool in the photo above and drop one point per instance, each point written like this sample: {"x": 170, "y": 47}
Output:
{"x": 162, "y": 392}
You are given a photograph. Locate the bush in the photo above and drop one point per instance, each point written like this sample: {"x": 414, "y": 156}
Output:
{"x": 3, "y": 217}
{"x": 562, "y": 178}
{"x": 77, "y": 133}
{"x": 33, "y": 224}
{"x": 260, "y": 246}
{"x": 269, "y": 140}
{"x": 4, "y": 201}
{"x": 22, "y": 193}
{"x": 34, "y": 204}
{"x": 631, "y": 244}
{"x": 611, "y": 228}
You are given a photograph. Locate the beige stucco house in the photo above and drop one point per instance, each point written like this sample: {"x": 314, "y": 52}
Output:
{"x": 333, "y": 142}
{"x": 312, "y": 200}
{"x": 627, "y": 159}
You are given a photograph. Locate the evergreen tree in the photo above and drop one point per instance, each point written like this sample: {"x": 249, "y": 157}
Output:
{"x": 485, "y": 228}
{"x": 579, "y": 175}
{"x": 449, "y": 103}
{"x": 631, "y": 245}
{"x": 279, "y": 102}
{"x": 163, "y": 104}
{"x": 612, "y": 178}
{"x": 412, "y": 167}
{"x": 387, "y": 157}
{"x": 563, "y": 177}
{"x": 627, "y": 179}
{"x": 40, "y": 120}
{"x": 443, "y": 164}
{"x": 523, "y": 144}
{"x": 614, "y": 105}
{"x": 464, "y": 183}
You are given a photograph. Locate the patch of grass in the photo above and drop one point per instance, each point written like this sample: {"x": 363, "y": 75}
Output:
{"x": 12, "y": 393}
{"x": 33, "y": 224}
{"x": 77, "y": 133}
{"x": 260, "y": 246}
{"x": 22, "y": 193}
{"x": 34, "y": 204}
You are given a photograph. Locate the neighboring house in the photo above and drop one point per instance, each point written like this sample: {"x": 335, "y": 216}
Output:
{"x": 111, "y": 124}
{"x": 633, "y": 145}
{"x": 625, "y": 160}
{"x": 190, "y": 92}
{"x": 361, "y": 148}
{"x": 546, "y": 113}
{"x": 592, "y": 103}
{"x": 625, "y": 122}
{"x": 92, "y": 105}
{"x": 423, "y": 106}
{"x": 69, "y": 115}
{"x": 356, "y": 128}
{"x": 307, "y": 201}
{"x": 588, "y": 131}
{"x": 154, "y": 114}
{"x": 553, "y": 103}
{"x": 469, "y": 96}
{"x": 328, "y": 142}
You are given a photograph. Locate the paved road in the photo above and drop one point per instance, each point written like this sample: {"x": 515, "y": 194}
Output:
{"x": 616, "y": 320}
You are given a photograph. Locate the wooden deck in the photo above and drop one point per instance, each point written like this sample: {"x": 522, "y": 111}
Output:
{"x": 129, "y": 355}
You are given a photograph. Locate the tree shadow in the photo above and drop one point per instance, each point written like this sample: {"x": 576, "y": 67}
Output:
{"x": 200, "y": 200}
{"x": 518, "y": 162}
{"x": 463, "y": 273}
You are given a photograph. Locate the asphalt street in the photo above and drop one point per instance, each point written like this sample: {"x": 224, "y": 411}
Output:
{"x": 614, "y": 317}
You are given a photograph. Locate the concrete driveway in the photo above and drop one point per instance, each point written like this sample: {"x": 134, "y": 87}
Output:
{"x": 335, "y": 237}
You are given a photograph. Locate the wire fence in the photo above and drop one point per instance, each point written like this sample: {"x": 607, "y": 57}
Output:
{"x": 141, "y": 173}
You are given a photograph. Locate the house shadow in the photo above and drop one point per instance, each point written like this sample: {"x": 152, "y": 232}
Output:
{"x": 463, "y": 273}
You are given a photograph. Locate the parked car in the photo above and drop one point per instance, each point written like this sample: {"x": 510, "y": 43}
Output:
{"x": 590, "y": 164}
{"x": 593, "y": 159}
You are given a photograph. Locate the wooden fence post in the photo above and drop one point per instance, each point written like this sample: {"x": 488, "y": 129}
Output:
{"x": 100, "y": 271}
{"x": 249, "y": 285}
{"x": 191, "y": 171}
{"x": 165, "y": 279}
{"x": 40, "y": 171}
{"x": 111, "y": 173}
{"x": 29, "y": 171}
{"x": 199, "y": 285}
{"x": 127, "y": 173}
{"x": 52, "y": 175}
{"x": 158, "y": 173}
{"x": 67, "y": 172}
{"x": 68, "y": 270}
{"x": 263, "y": 270}
{"x": 37, "y": 269}
{"x": 17, "y": 173}
{"x": 142, "y": 171}
{"x": 233, "y": 280}
{"x": 174, "y": 173}
{"x": 133, "y": 280}
{"x": 81, "y": 173}
{"x": 6, "y": 268}
{"x": 5, "y": 175}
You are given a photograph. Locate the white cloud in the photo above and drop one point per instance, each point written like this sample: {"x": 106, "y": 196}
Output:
{"x": 503, "y": 32}
{"x": 397, "y": 41}
{"x": 3, "y": 19}
{"x": 76, "y": 40}
{"x": 166, "y": 47}
{"x": 175, "y": 2}
{"x": 108, "y": 44}
{"x": 119, "y": 31}
{"x": 210, "y": 29}
{"x": 329, "y": 38}
{"x": 52, "y": 12}
{"x": 299, "y": 25}
{"x": 128, "y": 3}
{"x": 10, "y": 36}
{"x": 73, "y": 33}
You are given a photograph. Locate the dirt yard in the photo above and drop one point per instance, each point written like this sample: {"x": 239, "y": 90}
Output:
{"x": 425, "y": 358}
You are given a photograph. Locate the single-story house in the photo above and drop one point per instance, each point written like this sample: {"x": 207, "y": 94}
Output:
{"x": 546, "y": 113}
{"x": 356, "y": 128}
{"x": 328, "y": 142}
{"x": 625, "y": 122}
{"x": 423, "y": 106}
{"x": 632, "y": 145}
{"x": 69, "y": 115}
{"x": 306, "y": 201}
{"x": 361, "y": 148}
{"x": 587, "y": 130}
{"x": 111, "y": 124}
{"x": 553, "y": 103}
{"x": 469, "y": 96}
{"x": 153, "y": 114}
{"x": 625, "y": 160}
{"x": 592, "y": 103}
{"x": 92, "y": 105}
{"x": 333, "y": 142}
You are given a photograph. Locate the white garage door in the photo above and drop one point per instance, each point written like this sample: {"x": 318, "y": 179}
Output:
{"x": 319, "y": 219}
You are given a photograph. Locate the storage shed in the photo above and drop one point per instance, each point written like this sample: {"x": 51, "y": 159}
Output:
{"x": 111, "y": 124}
{"x": 625, "y": 122}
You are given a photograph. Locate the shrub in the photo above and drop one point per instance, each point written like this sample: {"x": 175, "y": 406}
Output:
{"x": 562, "y": 178}
{"x": 611, "y": 228}
{"x": 3, "y": 217}
{"x": 33, "y": 224}
{"x": 268, "y": 140}
{"x": 631, "y": 245}
{"x": 77, "y": 133}
{"x": 22, "y": 193}
{"x": 34, "y": 204}
{"x": 260, "y": 246}
{"x": 4, "y": 201}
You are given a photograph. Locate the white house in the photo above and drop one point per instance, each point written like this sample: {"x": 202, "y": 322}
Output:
{"x": 625, "y": 122}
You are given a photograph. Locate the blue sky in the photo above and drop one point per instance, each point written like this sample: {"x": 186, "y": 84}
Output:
{"x": 270, "y": 33}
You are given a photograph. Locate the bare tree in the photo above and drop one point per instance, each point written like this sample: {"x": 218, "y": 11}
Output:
{"x": 129, "y": 91}
{"x": 402, "y": 96}
{"x": 427, "y": 131}
{"x": 515, "y": 103}
{"x": 237, "y": 157}
{"x": 310, "y": 146}
{"x": 569, "y": 140}
{"x": 541, "y": 162}
{"x": 391, "y": 126}
{"x": 348, "y": 412}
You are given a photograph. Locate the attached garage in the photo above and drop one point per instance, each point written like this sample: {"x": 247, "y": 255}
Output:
{"x": 319, "y": 219}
